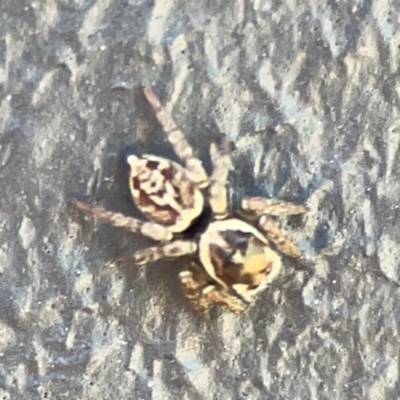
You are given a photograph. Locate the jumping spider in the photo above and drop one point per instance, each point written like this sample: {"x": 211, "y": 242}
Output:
{"x": 236, "y": 259}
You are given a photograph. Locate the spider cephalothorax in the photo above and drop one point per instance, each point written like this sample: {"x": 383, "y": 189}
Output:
{"x": 237, "y": 256}
{"x": 236, "y": 259}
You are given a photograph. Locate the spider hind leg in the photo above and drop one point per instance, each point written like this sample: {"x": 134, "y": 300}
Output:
{"x": 261, "y": 206}
{"x": 174, "y": 249}
{"x": 151, "y": 230}
{"x": 218, "y": 192}
{"x": 177, "y": 139}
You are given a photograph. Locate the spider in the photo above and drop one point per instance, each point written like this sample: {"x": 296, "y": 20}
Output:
{"x": 236, "y": 258}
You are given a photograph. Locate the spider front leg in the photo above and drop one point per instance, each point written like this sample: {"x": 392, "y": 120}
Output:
{"x": 259, "y": 206}
{"x": 202, "y": 294}
{"x": 221, "y": 297}
{"x": 279, "y": 238}
{"x": 218, "y": 192}
{"x": 151, "y": 230}
{"x": 177, "y": 139}
{"x": 192, "y": 287}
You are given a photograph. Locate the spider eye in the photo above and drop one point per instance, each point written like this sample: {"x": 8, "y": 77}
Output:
{"x": 267, "y": 269}
{"x": 252, "y": 287}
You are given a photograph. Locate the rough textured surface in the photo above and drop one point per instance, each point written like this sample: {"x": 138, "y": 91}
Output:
{"x": 309, "y": 94}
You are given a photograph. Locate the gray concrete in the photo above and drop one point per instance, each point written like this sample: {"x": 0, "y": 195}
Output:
{"x": 309, "y": 94}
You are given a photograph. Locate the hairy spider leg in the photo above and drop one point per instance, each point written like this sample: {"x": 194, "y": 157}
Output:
{"x": 151, "y": 230}
{"x": 175, "y": 249}
{"x": 193, "y": 291}
{"x": 279, "y": 237}
{"x": 177, "y": 139}
{"x": 261, "y": 206}
{"x": 221, "y": 297}
{"x": 202, "y": 294}
{"x": 218, "y": 191}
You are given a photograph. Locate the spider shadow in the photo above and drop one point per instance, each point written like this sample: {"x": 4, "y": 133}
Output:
{"x": 160, "y": 281}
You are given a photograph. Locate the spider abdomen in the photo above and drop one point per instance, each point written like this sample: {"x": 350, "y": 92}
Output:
{"x": 163, "y": 192}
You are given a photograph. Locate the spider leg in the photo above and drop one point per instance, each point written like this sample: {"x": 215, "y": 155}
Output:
{"x": 218, "y": 192}
{"x": 177, "y": 139}
{"x": 202, "y": 294}
{"x": 221, "y": 297}
{"x": 175, "y": 249}
{"x": 261, "y": 206}
{"x": 151, "y": 230}
{"x": 192, "y": 289}
{"x": 279, "y": 237}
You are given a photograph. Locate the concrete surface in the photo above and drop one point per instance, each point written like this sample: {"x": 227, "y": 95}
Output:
{"x": 309, "y": 94}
